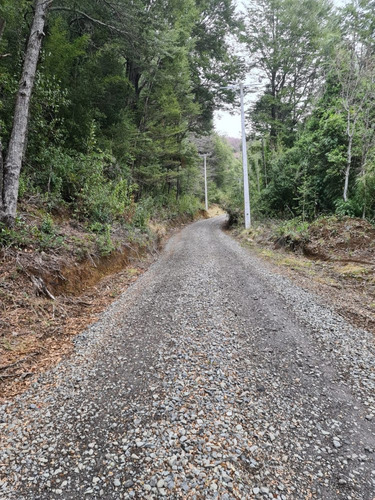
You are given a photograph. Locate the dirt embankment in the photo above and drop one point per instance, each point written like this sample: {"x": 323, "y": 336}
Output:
{"x": 49, "y": 295}
{"x": 333, "y": 257}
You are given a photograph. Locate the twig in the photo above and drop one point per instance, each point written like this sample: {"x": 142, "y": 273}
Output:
{"x": 91, "y": 19}
{"x": 12, "y": 365}
{"x": 40, "y": 287}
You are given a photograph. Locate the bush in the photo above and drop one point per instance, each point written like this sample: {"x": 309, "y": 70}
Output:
{"x": 47, "y": 226}
{"x": 235, "y": 214}
{"x": 143, "y": 211}
{"x": 18, "y": 236}
{"x": 104, "y": 241}
{"x": 293, "y": 233}
{"x": 350, "y": 208}
{"x": 188, "y": 204}
{"x": 80, "y": 180}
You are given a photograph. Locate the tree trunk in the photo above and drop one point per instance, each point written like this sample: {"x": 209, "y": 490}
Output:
{"x": 273, "y": 131}
{"x": 348, "y": 165}
{"x": 257, "y": 174}
{"x": 2, "y": 27}
{"x": 13, "y": 162}
{"x": 264, "y": 162}
{"x": 1, "y": 165}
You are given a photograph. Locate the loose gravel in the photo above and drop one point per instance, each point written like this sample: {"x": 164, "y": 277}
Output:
{"x": 210, "y": 378}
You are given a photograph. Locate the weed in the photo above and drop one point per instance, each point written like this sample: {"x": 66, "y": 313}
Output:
{"x": 104, "y": 242}
{"x": 293, "y": 233}
{"x": 352, "y": 270}
{"x": 47, "y": 226}
{"x": 81, "y": 247}
{"x": 17, "y": 237}
{"x": 132, "y": 271}
{"x": 5, "y": 344}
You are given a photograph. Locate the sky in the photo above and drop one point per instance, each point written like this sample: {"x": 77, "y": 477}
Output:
{"x": 229, "y": 124}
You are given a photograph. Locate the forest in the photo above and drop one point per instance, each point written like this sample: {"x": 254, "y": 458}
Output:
{"x": 107, "y": 105}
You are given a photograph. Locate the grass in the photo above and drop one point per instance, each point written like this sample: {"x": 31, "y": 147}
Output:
{"x": 353, "y": 270}
{"x": 132, "y": 271}
{"x": 287, "y": 261}
{"x": 6, "y": 345}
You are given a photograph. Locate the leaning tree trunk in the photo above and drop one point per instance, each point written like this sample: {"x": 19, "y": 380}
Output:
{"x": 13, "y": 163}
{"x": 2, "y": 27}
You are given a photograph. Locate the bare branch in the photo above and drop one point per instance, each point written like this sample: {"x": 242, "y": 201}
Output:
{"x": 91, "y": 19}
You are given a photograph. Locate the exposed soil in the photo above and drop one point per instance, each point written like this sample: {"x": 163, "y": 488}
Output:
{"x": 335, "y": 258}
{"x": 75, "y": 283}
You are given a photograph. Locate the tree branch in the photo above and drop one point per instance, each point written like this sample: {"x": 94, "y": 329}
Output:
{"x": 91, "y": 19}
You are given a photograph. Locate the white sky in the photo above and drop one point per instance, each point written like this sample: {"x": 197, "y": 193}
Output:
{"x": 229, "y": 124}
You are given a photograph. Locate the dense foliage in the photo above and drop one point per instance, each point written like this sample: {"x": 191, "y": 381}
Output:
{"x": 120, "y": 88}
{"x": 125, "y": 91}
{"x": 313, "y": 136}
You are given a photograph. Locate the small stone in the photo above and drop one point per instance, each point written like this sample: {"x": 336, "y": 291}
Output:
{"x": 117, "y": 483}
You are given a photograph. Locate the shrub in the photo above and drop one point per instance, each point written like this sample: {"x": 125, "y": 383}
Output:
{"x": 104, "y": 241}
{"x": 350, "y": 208}
{"x": 293, "y": 233}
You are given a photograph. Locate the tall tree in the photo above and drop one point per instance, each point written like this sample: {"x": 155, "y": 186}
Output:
{"x": 284, "y": 38}
{"x": 13, "y": 163}
{"x": 355, "y": 70}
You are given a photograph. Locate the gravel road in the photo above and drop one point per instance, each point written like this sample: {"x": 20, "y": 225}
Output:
{"x": 211, "y": 377}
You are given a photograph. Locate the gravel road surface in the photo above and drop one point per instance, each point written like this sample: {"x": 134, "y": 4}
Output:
{"x": 211, "y": 377}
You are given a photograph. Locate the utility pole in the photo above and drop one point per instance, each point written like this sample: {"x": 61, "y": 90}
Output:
{"x": 205, "y": 181}
{"x": 241, "y": 86}
{"x": 244, "y": 163}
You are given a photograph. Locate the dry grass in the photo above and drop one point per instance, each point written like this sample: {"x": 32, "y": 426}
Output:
{"x": 214, "y": 211}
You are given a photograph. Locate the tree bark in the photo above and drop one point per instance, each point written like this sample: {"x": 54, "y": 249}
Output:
{"x": 347, "y": 171}
{"x": 264, "y": 162}
{"x": 13, "y": 162}
{"x": 1, "y": 164}
{"x": 2, "y": 27}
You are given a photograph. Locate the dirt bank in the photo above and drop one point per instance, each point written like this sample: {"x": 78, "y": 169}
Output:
{"x": 51, "y": 292}
{"x": 333, "y": 257}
